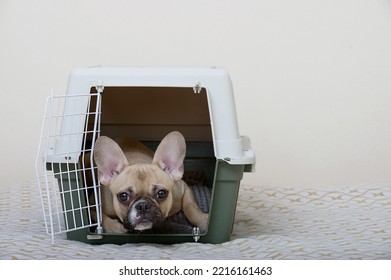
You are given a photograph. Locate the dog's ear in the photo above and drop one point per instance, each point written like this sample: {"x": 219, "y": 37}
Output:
{"x": 109, "y": 158}
{"x": 170, "y": 154}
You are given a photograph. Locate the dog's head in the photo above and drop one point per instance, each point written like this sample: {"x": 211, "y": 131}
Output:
{"x": 142, "y": 193}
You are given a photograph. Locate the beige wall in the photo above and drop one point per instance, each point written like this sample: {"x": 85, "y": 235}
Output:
{"x": 312, "y": 79}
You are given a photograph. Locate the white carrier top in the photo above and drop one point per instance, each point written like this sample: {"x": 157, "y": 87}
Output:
{"x": 228, "y": 144}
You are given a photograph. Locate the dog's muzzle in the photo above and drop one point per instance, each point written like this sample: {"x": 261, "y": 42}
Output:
{"x": 143, "y": 214}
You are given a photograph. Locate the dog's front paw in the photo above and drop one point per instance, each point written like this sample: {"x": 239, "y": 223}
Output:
{"x": 203, "y": 221}
{"x": 113, "y": 226}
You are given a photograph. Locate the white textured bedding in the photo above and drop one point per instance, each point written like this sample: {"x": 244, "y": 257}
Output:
{"x": 294, "y": 223}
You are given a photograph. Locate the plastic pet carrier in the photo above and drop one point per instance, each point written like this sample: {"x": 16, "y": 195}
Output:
{"x": 143, "y": 103}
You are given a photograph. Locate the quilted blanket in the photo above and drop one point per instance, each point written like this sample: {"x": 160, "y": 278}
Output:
{"x": 270, "y": 223}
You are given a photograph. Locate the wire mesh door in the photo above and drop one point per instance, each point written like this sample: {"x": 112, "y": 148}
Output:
{"x": 69, "y": 189}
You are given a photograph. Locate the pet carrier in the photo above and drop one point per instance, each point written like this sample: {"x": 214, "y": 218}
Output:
{"x": 144, "y": 103}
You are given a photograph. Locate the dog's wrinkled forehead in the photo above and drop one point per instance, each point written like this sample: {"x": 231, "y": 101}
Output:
{"x": 142, "y": 177}
{"x": 142, "y": 173}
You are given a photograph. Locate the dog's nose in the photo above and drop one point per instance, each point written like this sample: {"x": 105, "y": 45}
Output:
{"x": 143, "y": 206}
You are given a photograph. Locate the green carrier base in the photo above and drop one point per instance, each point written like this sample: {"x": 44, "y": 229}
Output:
{"x": 222, "y": 209}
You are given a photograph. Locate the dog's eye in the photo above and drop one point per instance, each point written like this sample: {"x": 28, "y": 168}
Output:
{"x": 161, "y": 194}
{"x": 123, "y": 197}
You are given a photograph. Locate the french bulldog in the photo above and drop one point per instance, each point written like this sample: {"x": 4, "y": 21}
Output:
{"x": 140, "y": 189}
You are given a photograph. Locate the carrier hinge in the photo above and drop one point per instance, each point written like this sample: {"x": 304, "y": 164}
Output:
{"x": 94, "y": 236}
{"x": 197, "y": 88}
{"x": 98, "y": 234}
{"x": 196, "y": 234}
{"x": 99, "y": 87}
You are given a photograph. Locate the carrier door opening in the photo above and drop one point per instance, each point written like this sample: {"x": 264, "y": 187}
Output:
{"x": 149, "y": 113}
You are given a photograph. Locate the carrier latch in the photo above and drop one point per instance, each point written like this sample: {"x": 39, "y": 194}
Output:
{"x": 196, "y": 234}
